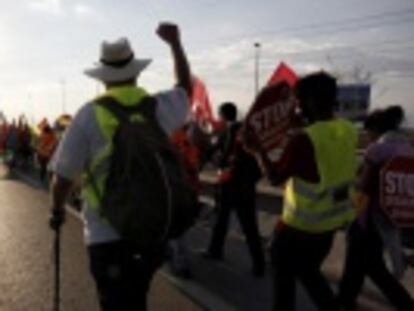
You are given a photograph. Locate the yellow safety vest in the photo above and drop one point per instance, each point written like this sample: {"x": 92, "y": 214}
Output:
{"x": 325, "y": 206}
{"x": 98, "y": 170}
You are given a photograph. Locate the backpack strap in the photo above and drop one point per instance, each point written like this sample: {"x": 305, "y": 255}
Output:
{"x": 146, "y": 107}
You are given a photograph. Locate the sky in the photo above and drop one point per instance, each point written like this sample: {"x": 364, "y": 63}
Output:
{"x": 46, "y": 44}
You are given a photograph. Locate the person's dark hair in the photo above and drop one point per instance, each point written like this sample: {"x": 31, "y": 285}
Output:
{"x": 384, "y": 120}
{"x": 372, "y": 120}
{"x": 47, "y": 129}
{"x": 228, "y": 111}
{"x": 320, "y": 88}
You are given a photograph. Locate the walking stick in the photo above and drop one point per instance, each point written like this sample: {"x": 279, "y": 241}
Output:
{"x": 56, "y": 298}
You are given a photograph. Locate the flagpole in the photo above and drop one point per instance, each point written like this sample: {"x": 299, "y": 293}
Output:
{"x": 256, "y": 71}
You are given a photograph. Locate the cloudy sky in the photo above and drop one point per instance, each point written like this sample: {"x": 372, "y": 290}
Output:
{"x": 46, "y": 44}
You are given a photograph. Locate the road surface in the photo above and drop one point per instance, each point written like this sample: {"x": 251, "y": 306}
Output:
{"x": 26, "y": 258}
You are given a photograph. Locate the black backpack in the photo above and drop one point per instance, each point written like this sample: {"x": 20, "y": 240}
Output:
{"x": 148, "y": 197}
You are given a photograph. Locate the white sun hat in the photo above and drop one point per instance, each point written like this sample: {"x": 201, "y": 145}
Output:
{"x": 117, "y": 63}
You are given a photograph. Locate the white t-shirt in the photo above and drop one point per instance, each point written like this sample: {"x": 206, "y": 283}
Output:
{"x": 83, "y": 139}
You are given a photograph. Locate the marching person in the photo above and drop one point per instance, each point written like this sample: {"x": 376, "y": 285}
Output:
{"x": 238, "y": 176}
{"x": 12, "y": 144}
{"x": 122, "y": 275}
{"x": 317, "y": 167}
{"x": 366, "y": 236}
{"x": 178, "y": 253}
{"x": 46, "y": 145}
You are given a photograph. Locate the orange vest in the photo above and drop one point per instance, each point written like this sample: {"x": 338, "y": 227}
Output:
{"x": 46, "y": 144}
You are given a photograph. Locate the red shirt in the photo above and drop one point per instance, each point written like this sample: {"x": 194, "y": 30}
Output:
{"x": 297, "y": 160}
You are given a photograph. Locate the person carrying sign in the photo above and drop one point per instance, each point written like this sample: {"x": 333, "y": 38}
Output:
{"x": 317, "y": 166}
{"x": 370, "y": 232}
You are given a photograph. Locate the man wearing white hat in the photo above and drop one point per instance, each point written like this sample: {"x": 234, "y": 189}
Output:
{"x": 122, "y": 279}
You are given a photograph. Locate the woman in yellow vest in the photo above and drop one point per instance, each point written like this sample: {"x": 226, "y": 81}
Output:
{"x": 317, "y": 167}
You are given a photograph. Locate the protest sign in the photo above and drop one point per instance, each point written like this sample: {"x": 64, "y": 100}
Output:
{"x": 273, "y": 113}
{"x": 397, "y": 190}
{"x": 271, "y": 117}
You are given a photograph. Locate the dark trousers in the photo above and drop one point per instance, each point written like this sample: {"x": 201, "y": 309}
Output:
{"x": 298, "y": 256}
{"x": 43, "y": 162}
{"x": 122, "y": 278}
{"x": 242, "y": 199}
{"x": 365, "y": 258}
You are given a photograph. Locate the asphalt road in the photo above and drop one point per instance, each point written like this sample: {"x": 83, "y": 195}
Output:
{"x": 26, "y": 258}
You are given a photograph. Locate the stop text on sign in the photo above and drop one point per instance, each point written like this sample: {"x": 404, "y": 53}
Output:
{"x": 270, "y": 116}
{"x": 398, "y": 183}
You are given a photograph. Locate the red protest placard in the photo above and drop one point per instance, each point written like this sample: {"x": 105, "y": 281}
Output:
{"x": 397, "y": 190}
{"x": 271, "y": 117}
{"x": 273, "y": 112}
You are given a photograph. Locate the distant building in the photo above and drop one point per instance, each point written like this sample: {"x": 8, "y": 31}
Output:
{"x": 354, "y": 101}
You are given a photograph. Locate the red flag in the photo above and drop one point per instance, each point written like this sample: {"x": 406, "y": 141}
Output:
{"x": 283, "y": 73}
{"x": 200, "y": 104}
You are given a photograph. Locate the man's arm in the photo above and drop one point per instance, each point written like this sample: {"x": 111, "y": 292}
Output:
{"x": 297, "y": 159}
{"x": 273, "y": 175}
{"x": 170, "y": 33}
{"x": 69, "y": 161}
{"x": 61, "y": 188}
{"x": 252, "y": 144}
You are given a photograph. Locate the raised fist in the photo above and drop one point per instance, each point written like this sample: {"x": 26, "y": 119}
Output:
{"x": 169, "y": 32}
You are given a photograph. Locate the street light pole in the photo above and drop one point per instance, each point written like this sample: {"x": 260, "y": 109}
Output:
{"x": 257, "y": 69}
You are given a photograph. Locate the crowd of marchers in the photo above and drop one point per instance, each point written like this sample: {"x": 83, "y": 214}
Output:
{"x": 24, "y": 145}
{"x": 138, "y": 156}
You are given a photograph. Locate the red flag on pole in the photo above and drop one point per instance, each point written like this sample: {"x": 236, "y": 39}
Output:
{"x": 200, "y": 104}
{"x": 283, "y": 73}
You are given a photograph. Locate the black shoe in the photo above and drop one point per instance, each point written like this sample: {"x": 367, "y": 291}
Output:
{"x": 183, "y": 273}
{"x": 211, "y": 256}
{"x": 258, "y": 271}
